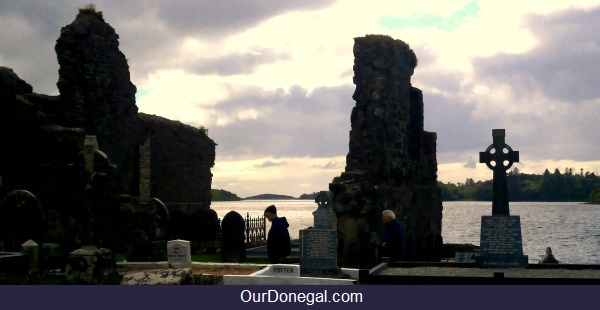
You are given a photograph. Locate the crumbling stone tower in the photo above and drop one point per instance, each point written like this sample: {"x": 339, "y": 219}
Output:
{"x": 391, "y": 163}
{"x": 155, "y": 157}
{"x": 96, "y": 91}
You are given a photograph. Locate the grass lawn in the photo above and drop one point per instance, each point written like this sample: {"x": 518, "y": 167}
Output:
{"x": 209, "y": 258}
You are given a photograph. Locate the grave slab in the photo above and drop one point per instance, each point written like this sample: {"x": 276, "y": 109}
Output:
{"x": 318, "y": 252}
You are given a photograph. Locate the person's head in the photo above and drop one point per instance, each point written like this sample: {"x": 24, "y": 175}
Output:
{"x": 388, "y": 216}
{"x": 270, "y": 212}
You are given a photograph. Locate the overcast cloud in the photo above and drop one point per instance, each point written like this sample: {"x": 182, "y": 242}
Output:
{"x": 272, "y": 80}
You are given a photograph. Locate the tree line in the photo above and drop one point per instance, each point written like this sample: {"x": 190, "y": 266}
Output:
{"x": 556, "y": 186}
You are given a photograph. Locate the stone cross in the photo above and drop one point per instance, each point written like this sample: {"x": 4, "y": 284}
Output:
{"x": 322, "y": 199}
{"x": 323, "y": 216}
{"x": 499, "y": 157}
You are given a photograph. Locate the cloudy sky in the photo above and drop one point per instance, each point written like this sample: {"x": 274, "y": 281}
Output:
{"x": 272, "y": 79}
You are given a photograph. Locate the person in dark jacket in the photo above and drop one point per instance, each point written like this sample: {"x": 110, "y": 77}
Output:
{"x": 392, "y": 240}
{"x": 279, "y": 245}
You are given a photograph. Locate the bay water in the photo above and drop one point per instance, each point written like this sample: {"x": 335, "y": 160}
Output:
{"x": 571, "y": 229}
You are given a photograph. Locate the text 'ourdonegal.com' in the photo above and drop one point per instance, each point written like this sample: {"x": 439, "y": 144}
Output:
{"x": 310, "y": 298}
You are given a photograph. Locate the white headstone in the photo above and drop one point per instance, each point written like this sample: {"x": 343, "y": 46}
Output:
{"x": 179, "y": 253}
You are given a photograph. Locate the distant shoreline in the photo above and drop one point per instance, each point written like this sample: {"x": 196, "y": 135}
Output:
{"x": 223, "y": 195}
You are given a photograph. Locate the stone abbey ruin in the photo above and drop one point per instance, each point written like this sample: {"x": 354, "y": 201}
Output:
{"x": 391, "y": 163}
{"x": 137, "y": 157}
{"x": 59, "y": 185}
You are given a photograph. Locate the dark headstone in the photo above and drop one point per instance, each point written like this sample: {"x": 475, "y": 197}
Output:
{"x": 323, "y": 216}
{"x": 161, "y": 218}
{"x": 20, "y": 219}
{"x": 318, "y": 252}
{"x": 501, "y": 241}
{"x": 210, "y": 231}
{"x": 234, "y": 241}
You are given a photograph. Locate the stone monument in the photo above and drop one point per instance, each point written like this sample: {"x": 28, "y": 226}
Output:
{"x": 323, "y": 216}
{"x": 91, "y": 264}
{"x": 179, "y": 253}
{"x": 501, "y": 243}
{"x": 318, "y": 252}
{"x": 391, "y": 163}
{"x": 318, "y": 246}
{"x": 233, "y": 249}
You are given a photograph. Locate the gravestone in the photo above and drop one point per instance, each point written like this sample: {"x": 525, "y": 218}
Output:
{"x": 210, "y": 231}
{"x": 233, "y": 229}
{"x": 32, "y": 249}
{"x": 323, "y": 216}
{"x": 501, "y": 243}
{"x": 20, "y": 219}
{"x": 179, "y": 253}
{"x": 318, "y": 246}
{"x": 161, "y": 218}
{"x": 318, "y": 252}
{"x": 91, "y": 265}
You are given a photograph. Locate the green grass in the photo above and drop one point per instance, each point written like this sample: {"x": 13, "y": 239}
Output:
{"x": 208, "y": 258}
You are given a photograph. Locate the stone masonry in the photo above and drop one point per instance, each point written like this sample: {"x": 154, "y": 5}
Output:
{"x": 98, "y": 96}
{"x": 42, "y": 135}
{"x": 391, "y": 163}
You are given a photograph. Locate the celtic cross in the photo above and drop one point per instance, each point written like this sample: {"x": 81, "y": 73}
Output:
{"x": 499, "y": 157}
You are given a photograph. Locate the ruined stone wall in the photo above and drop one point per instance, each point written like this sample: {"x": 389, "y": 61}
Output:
{"x": 145, "y": 168}
{"x": 96, "y": 91}
{"x": 391, "y": 163}
{"x": 156, "y": 157}
{"x": 42, "y": 136}
{"x": 190, "y": 155}
{"x": 94, "y": 81}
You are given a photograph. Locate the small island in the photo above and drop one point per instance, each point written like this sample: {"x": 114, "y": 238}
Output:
{"x": 223, "y": 195}
{"x": 270, "y": 197}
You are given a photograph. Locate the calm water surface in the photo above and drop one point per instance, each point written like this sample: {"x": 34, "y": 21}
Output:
{"x": 571, "y": 229}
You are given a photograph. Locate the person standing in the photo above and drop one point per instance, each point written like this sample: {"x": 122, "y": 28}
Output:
{"x": 392, "y": 239}
{"x": 279, "y": 245}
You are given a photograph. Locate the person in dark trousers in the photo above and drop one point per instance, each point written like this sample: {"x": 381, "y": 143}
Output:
{"x": 279, "y": 245}
{"x": 392, "y": 240}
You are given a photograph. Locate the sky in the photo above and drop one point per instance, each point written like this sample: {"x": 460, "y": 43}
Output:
{"x": 272, "y": 80}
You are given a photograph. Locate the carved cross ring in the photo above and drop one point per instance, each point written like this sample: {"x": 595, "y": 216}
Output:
{"x": 505, "y": 157}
